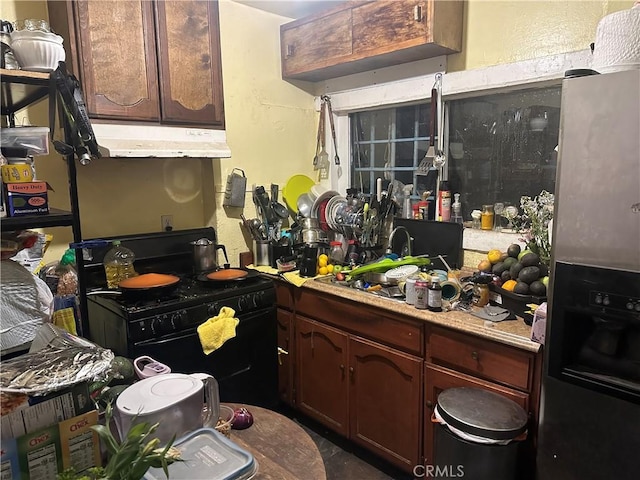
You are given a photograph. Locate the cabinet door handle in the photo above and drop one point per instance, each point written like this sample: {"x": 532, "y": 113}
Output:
{"x": 351, "y": 371}
{"x": 281, "y": 351}
{"x": 342, "y": 369}
{"x": 289, "y": 51}
{"x": 417, "y": 13}
{"x": 429, "y": 404}
{"x": 475, "y": 355}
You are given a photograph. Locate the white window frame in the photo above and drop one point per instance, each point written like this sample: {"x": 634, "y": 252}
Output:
{"x": 412, "y": 83}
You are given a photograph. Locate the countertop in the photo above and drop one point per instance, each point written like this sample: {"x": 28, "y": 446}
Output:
{"x": 515, "y": 333}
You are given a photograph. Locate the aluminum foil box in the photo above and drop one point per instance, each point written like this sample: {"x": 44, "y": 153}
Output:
{"x": 26, "y": 198}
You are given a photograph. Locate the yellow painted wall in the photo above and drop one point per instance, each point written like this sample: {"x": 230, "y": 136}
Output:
{"x": 498, "y": 32}
{"x": 271, "y": 123}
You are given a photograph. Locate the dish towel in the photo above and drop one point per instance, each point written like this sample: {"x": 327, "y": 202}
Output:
{"x": 217, "y": 330}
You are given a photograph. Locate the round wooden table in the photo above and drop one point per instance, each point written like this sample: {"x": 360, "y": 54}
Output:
{"x": 281, "y": 448}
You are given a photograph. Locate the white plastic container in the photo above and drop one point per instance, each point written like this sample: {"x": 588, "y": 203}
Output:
{"x": 208, "y": 455}
{"x": 34, "y": 139}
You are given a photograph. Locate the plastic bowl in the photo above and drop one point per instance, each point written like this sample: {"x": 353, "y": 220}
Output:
{"x": 285, "y": 266}
{"x": 224, "y": 421}
{"x": 37, "y": 51}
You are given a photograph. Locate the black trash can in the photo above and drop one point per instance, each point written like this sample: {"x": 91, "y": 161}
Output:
{"x": 475, "y": 436}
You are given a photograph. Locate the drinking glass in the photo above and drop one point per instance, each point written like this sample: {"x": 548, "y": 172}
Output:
{"x": 498, "y": 209}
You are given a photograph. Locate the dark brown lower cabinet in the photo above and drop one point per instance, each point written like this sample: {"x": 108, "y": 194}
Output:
{"x": 321, "y": 379}
{"x": 285, "y": 355}
{"x": 384, "y": 401}
{"x": 363, "y": 390}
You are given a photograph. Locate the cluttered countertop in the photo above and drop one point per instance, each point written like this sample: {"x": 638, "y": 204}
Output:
{"x": 515, "y": 333}
{"x": 511, "y": 332}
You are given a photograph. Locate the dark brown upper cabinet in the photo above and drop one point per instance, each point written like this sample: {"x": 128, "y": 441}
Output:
{"x": 364, "y": 35}
{"x": 151, "y": 61}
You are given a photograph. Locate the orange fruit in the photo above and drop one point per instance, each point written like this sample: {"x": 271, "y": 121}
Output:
{"x": 494, "y": 256}
{"x": 484, "y": 266}
{"x": 509, "y": 285}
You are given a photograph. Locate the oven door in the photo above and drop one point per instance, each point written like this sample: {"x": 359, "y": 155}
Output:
{"x": 246, "y": 366}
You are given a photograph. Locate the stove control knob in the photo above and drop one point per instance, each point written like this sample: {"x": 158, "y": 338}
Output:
{"x": 259, "y": 299}
{"x": 243, "y": 302}
{"x": 598, "y": 298}
{"x": 606, "y": 300}
{"x": 637, "y": 307}
{"x": 161, "y": 325}
{"x": 213, "y": 309}
{"x": 629, "y": 306}
{"x": 176, "y": 320}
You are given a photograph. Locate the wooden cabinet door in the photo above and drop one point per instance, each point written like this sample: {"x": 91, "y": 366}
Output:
{"x": 437, "y": 379}
{"x": 118, "y": 59}
{"x": 285, "y": 355}
{"x": 382, "y": 27}
{"x": 190, "y": 64}
{"x": 321, "y": 373}
{"x": 315, "y": 43}
{"x": 385, "y": 392}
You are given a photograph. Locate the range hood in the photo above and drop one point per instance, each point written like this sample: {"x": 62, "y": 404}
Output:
{"x": 144, "y": 141}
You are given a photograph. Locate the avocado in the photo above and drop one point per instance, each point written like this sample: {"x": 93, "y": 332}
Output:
{"x": 529, "y": 274}
{"x": 515, "y": 269}
{"x": 505, "y": 276}
{"x": 514, "y": 250}
{"x": 538, "y": 289}
{"x": 530, "y": 260}
{"x": 510, "y": 261}
{"x": 521, "y": 288}
{"x": 498, "y": 268}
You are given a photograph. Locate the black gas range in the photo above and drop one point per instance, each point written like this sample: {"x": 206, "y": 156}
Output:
{"x": 164, "y": 327}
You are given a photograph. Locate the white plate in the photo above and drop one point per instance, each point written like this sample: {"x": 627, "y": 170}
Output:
{"x": 325, "y": 196}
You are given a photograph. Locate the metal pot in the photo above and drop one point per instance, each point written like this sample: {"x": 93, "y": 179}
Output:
{"x": 175, "y": 401}
{"x": 205, "y": 257}
{"x": 379, "y": 278}
{"x": 313, "y": 235}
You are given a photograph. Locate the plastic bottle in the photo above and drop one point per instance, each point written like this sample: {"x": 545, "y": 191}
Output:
{"x": 444, "y": 202}
{"x": 336, "y": 254}
{"x": 434, "y": 295}
{"x": 457, "y": 209}
{"x": 118, "y": 264}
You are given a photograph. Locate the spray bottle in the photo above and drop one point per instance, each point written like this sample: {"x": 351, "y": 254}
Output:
{"x": 457, "y": 209}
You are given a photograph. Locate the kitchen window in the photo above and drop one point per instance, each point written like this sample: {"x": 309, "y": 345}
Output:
{"x": 499, "y": 147}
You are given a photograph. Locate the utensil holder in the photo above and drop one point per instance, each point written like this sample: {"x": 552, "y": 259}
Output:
{"x": 235, "y": 190}
{"x": 261, "y": 251}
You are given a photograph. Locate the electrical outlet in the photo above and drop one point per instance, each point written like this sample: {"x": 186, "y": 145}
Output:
{"x": 167, "y": 222}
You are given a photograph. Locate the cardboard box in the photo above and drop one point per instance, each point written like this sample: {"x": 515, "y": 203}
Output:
{"x": 43, "y": 454}
{"x": 39, "y": 454}
{"x": 27, "y": 198}
{"x": 46, "y": 411}
{"x": 9, "y": 466}
{"x": 80, "y": 444}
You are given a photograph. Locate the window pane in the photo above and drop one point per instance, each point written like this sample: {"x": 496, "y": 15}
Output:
{"x": 502, "y": 146}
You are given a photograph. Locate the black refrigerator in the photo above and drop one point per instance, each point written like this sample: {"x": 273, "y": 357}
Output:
{"x": 590, "y": 408}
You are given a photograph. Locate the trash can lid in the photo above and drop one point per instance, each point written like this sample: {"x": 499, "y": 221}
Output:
{"x": 482, "y": 413}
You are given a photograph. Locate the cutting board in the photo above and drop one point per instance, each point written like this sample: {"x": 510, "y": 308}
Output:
{"x": 432, "y": 238}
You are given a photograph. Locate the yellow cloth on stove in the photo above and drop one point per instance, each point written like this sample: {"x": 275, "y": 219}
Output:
{"x": 217, "y": 330}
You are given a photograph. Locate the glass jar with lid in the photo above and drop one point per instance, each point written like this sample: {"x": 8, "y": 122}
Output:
{"x": 487, "y": 217}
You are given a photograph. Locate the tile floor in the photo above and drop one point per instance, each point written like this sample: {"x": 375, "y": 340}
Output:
{"x": 342, "y": 459}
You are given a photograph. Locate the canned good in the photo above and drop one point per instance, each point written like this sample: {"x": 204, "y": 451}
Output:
{"x": 421, "y": 288}
{"x": 17, "y": 173}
